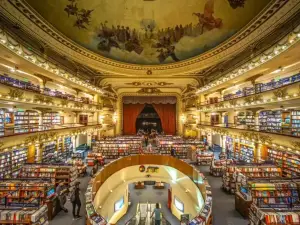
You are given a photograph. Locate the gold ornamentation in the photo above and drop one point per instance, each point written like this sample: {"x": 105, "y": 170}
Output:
{"x": 221, "y": 104}
{"x": 149, "y": 91}
{"x": 296, "y": 144}
{"x": 64, "y": 102}
{"x": 15, "y": 93}
{"x": 248, "y": 99}
{"x": 40, "y": 137}
{"x": 220, "y": 131}
{"x": 233, "y": 102}
{"x": 78, "y": 104}
{"x": 42, "y": 98}
{"x": 257, "y": 137}
{"x": 257, "y": 97}
{"x": 280, "y": 93}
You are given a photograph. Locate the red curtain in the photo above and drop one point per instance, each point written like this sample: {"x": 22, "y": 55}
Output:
{"x": 130, "y": 114}
{"x": 167, "y": 114}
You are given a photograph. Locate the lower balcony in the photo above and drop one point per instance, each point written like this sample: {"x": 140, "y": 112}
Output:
{"x": 282, "y": 130}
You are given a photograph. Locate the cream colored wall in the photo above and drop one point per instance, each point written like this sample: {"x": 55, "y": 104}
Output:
{"x": 193, "y": 199}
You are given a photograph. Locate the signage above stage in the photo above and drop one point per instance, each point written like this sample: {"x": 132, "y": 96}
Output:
{"x": 149, "y": 169}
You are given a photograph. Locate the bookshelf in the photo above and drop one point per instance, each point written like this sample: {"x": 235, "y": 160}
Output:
{"x": 56, "y": 173}
{"x": 273, "y": 216}
{"x": 270, "y": 121}
{"x": 218, "y": 167}
{"x": 51, "y": 118}
{"x": 2, "y": 122}
{"x": 25, "y": 193}
{"x": 113, "y": 148}
{"x": 234, "y": 175}
{"x": 204, "y": 157}
{"x": 288, "y": 161}
{"x": 26, "y": 121}
{"x": 34, "y": 216}
{"x": 11, "y": 162}
{"x": 18, "y": 159}
{"x": 48, "y": 152}
{"x": 68, "y": 146}
{"x": 295, "y": 123}
{"x": 182, "y": 146}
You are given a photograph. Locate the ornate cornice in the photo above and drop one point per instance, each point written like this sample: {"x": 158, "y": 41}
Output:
{"x": 279, "y": 10}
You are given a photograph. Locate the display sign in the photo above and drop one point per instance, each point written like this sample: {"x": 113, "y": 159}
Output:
{"x": 178, "y": 204}
{"x": 119, "y": 204}
{"x": 149, "y": 169}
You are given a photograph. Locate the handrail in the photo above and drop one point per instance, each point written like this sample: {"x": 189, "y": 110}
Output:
{"x": 13, "y": 130}
{"x": 244, "y": 95}
{"x": 282, "y": 130}
{"x": 42, "y": 91}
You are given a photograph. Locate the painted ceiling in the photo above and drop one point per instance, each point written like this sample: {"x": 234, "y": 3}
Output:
{"x": 149, "y": 32}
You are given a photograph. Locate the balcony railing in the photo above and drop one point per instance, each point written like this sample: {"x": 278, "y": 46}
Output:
{"x": 258, "y": 89}
{"x": 28, "y": 86}
{"x": 283, "y": 130}
{"x": 27, "y": 129}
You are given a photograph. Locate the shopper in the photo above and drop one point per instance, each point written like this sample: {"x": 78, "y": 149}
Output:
{"x": 173, "y": 151}
{"x": 61, "y": 193}
{"x": 75, "y": 199}
{"x": 157, "y": 214}
{"x": 146, "y": 140}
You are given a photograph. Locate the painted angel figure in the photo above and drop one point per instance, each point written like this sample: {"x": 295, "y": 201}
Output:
{"x": 207, "y": 20}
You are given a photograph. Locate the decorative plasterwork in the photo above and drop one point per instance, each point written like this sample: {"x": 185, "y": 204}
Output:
{"x": 273, "y": 140}
{"x": 19, "y": 12}
{"x": 148, "y": 83}
{"x": 11, "y": 142}
{"x": 120, "y": 109}
{"x": 7, "y": 41}
{"x": 149, "y": 90}
{"x": 287, "y": 42}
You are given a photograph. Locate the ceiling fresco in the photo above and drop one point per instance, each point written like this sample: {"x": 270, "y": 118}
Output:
{"x": 149, "y": 32}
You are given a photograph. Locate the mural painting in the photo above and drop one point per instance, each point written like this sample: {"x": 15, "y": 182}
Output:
{"x": 149, "y": 31}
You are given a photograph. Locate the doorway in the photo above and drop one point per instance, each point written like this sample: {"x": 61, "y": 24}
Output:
{"x": 148, "y": 119}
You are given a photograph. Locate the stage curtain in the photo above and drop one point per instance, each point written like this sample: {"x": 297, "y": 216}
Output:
{"x": 167, "y": 114}
{"x": 130, "y": 114}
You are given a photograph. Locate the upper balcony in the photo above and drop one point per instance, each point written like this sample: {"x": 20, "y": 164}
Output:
{"x": 251, "y": 90}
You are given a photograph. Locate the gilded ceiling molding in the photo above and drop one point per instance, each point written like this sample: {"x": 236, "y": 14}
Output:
{"x": 120, "y": 108}
{"x": 19, "y": 12}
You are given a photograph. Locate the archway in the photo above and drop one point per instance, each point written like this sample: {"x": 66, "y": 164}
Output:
{"x": 148, "y": 119}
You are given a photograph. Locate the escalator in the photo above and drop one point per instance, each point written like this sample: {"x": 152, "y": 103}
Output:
{"x": 143, "y": 214}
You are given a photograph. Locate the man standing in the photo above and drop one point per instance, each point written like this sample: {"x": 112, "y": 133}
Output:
{"x": 61, "y": 195}
{"x": 157, "y": 214}
{"x": 75, "y": 199}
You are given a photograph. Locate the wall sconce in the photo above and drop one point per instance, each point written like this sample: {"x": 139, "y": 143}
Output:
{"x": 183, "y": 118}
{"x": 101, "y": 119}
{"x": 115, "y": 117}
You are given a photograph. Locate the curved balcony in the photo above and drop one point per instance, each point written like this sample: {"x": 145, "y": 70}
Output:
{"x": 124, "y": 170}
{"x": 282, "y": 130}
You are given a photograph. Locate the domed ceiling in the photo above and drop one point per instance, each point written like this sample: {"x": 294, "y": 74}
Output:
{"x": 149, "y": 32}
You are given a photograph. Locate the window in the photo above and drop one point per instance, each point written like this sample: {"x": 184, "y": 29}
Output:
{"x": 178, "y": 204}
{"x": 119, "y": 204}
